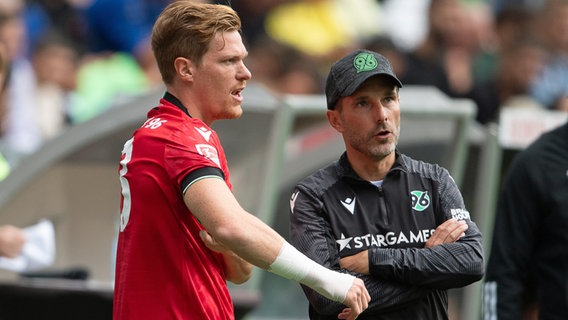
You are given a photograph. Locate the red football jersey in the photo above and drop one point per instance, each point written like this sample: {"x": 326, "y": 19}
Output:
{"x": 163, "y": 268}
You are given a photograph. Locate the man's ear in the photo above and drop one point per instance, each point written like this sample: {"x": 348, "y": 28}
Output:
{"x": 184, "y": 68}
{"x": 334, "y": 120}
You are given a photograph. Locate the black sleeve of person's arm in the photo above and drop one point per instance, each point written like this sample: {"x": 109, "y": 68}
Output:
{"x": 199, "y": 174}
{"x": 515, "y": 235}
{"x": 310, "y": 234}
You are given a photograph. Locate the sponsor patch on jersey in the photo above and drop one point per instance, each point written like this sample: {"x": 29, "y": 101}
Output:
{"x": 460, "y": 214}
{"x": 209, "y": 152}
{"x": 420, "y": 200}
{"x": 384, "y": 240}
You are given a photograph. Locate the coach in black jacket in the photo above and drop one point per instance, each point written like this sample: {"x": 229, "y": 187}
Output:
{"x": 397, "y": 223}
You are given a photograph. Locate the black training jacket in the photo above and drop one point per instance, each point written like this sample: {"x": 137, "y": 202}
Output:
{"x": 334, "y": 214}
{"x": 528, "y": 262}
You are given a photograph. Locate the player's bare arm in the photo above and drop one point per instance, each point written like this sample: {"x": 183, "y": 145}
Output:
{"x": 237, "y": 270}
{"x": 215, "y": 206}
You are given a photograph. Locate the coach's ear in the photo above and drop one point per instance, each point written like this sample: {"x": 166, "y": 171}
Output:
{"x": 184, "y": 68}
{"x": 334, "y": 120}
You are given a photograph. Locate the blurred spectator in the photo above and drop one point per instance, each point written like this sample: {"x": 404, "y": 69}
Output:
{"x": 119, "y": 62}
{"x": 124, "y": 26}
{"x": 446, "y": 55}
{"x": 253, "y": 14}
{"x": 518, "y": 66}
{"x": 284, "y": 69}
{"x": 385, "y": 45}
{"x": 12, "y": 240}
{"x": 102, "y": 81}
{"x": 55, "y": 61}
{"x": 512, "y": 24}
{"x": 4, "y": 75}
{"x": 64, "y": 17}
{"x": 406, "y": 22}
{"x": 518, "y": 59}
{"x": 324, "y": 28}
{"x": 21, "y": 135}
{"x": 531, "y": 5}
{"x": 551, "y": 87}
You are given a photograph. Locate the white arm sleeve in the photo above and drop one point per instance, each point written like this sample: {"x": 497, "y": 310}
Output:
{"x": 293, "y": 265}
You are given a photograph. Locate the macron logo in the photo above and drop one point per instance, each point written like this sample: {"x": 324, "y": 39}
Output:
{"x": 204, "y": 132}
{"x": 293, "y": 200}
{"x": 349, "y": 204}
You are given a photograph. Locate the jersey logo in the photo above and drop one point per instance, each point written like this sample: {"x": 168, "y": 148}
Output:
{"x": 460, "y": 214}
{"x": 153, "y": 123}
{"x": 204, "y": 132}
{"x": 209, "y": 152}
{"x": 344, "y": 242}
{"x": 293, "y": 200}
{"x": 349, "y": 204}
{"x": 420, "y": 200}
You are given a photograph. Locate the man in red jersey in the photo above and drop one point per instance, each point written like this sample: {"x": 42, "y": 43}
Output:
{"x": 182, "y": 233}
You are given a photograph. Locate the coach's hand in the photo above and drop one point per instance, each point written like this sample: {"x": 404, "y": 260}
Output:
{"x": 357, "y": 300}
{"x": 449, "y": 231}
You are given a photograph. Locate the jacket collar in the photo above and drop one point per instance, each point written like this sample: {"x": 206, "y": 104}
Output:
{"x": 345, "y": 170}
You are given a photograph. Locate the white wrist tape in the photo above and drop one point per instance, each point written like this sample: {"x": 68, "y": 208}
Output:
{"x": 292, "y": 264}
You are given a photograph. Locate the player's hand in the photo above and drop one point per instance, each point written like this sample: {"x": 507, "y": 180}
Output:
{"x": 449, "y": 231}
{"x": 211, "y": 243}
{"x": 357, "y": 263}
{"x": 237, "y": 270}
{"x": 357, "y": 301}
{"x": 12, "y": 240}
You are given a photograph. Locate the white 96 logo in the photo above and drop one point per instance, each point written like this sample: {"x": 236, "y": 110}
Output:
{"x": 153, "y": 123}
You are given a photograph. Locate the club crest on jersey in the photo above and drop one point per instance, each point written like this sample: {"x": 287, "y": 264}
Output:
{"x": 209, "y": 152}
{"x": 420, "y": 200}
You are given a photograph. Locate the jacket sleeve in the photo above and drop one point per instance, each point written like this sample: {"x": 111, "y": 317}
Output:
{"x": 445, "y": 266}
{"x": 310, "y": 233}
{"x": 514, "y": 237}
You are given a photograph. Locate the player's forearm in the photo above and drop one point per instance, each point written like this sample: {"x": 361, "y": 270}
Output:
{"x": 237, "y": 270}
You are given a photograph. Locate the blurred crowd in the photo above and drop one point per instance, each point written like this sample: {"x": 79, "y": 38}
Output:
{"x": 70, "y": 60}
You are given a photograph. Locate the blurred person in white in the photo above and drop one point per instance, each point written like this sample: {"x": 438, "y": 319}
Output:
{"x": 21, "y": 135}
{"x": 551, "y": 87}
{"x": 55, "y": 61}
{"x": 4, "y": 73}
{"x": 12, "y": 238}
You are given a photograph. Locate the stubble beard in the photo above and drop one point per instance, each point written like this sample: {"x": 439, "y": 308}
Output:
{"x": 373, "y": 148}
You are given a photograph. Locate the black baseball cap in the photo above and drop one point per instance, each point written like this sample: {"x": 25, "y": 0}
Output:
{"x": 349, "y": 72}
